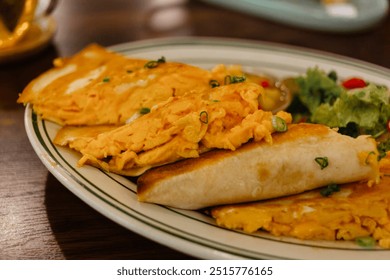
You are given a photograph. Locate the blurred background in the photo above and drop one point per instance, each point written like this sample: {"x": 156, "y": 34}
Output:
{"x": 122, "y": 21}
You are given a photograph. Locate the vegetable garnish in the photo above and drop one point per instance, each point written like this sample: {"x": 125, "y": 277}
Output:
{"x": 144, "y": 110}
{"x": 369, "y": 157}
{"x": 383, "y": 147}
{"x": 328, "y": 190}
{"x": 265, "y": 84}
{"x": 354, "y": 83}
{"x": 323, "y": 162}
{"x": 354, "y": 106}
{"x": 106, "y": 79}
{"x": 214, "y": 83}
{"x": 204, "y": 117}
{"x": 234, "y": 79}
{"x": 154, "y": 63}
{"x": 279, "y": 124}
{"x": 365, "y": 241}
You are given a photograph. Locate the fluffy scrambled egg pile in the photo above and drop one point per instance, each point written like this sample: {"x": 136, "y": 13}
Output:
{"x": 352, "y": 213}
{"x": 224, "y": 117}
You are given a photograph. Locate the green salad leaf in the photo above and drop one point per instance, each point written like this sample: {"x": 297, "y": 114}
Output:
{"x": 366, "y": 107}
{"x": 318, "y": 88}
{"x": 321, "y": 98}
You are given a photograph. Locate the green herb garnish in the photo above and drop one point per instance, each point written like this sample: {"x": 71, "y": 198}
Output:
{"x": 154, "y": 63}
{"x": 323, "y": 162}
{"x": 279, "y": 124}
{"x": 106, "y": 79}
{"x": 204, "y": 117}
{"x": 144, "y": 110}
{"x": 214, "y": 83}
{"x": 383, "y": 147}
{"x": 234, "y": 79}
{"x": 365, "y": 241}
{"x": 367, "y": 161}
{"x": 327, "y": 191}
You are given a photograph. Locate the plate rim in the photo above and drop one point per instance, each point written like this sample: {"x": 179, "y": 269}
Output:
{"x": 243, "y": 42}
{"x": 199, "y": 250}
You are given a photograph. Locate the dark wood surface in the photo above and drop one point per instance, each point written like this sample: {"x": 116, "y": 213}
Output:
{"x": 40, "y": 218}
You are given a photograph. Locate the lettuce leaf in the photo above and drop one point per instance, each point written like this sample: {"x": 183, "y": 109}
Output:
{"x": 367, "y": 107}
{"x": 318, "y": 88}
{"x": 356, "y": 111}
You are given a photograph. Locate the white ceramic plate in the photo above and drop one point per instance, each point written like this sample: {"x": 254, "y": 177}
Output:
{"x": 192, "y": 232}
{"x": 350, "y": 16}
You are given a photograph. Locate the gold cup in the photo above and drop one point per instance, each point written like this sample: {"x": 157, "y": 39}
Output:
{"x": 17, "y": 17}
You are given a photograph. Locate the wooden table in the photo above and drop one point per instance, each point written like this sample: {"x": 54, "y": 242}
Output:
{"x": 40, "y": 218}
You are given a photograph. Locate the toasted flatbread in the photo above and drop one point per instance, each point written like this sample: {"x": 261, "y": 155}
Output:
{"x": 96, "y": 86}
{"x": 305, "y": 157}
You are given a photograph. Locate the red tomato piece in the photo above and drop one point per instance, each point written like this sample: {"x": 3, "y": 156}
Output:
{"x": 354, "y": 83}
{"x": 264, "y": 84}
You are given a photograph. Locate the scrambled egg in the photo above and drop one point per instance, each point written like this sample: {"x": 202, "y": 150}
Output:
{"x": 96, "y": 86}
{"x": 353, "y": 212}
{"x": 224, "y": 117}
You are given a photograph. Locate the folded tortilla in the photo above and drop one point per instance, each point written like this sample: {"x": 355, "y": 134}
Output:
{"x": 305, "y": 157}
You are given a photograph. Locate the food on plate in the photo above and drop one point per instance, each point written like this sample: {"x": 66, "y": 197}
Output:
{"x": 336, "y": 211}
{"x": 96, "y": 86}
{"x": 275, "y": 97}
{"x": 305, "y": 157}
{"x": 223, "y": 117}
{"x": 76, "y": 135}
{"x": 345, "y": 212}
{"x": 199, "y": 138}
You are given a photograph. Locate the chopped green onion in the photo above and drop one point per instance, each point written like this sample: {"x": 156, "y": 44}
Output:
{"x": 204, "y": 117}
{"x": 323, "y": 162}
{"x": 106, "y": 79}
{"x": 367, "y": 161}
{"x": 327, "y": 191}
{"x": 214, "y": 83}
{"x": 238, "y": 79}
{"x": 234, "y": 79}
{"x": 365, "y": 241}
{"x": 279, "y": 124}
{"x": 154, "y": 63}
{"x": 144, "y": 110}
{"x": 161, "y": 60}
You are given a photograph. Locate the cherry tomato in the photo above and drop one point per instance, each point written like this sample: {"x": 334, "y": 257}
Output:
{"x": 264, "y": 84}
{"x": 354, "y": 83}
